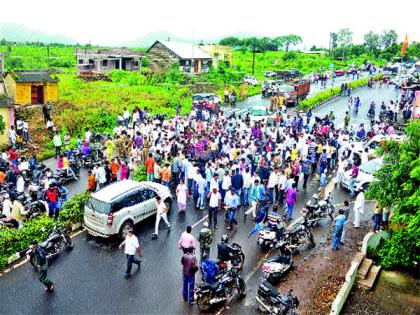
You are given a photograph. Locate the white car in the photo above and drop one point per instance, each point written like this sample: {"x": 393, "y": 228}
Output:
{"x": 373, "y": 144}
{"x": 250, "y": 80}
{"x": 260, "y": 114}
{"x": 119, "y": 206}
{"x": 365, "y": 176}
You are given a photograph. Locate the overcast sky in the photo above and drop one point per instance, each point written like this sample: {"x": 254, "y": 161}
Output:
{"x": 106, "y": 22}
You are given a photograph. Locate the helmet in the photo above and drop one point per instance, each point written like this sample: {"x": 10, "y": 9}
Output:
{"x": 225, "y": 238}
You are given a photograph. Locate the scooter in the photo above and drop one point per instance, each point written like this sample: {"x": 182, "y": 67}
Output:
{"x": 276, "y": 266}
{"x": 270, "y": 301}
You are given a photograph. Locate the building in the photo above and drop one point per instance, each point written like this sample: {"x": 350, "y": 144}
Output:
{"x": 105, "y": 60}
{"x": 218, "y": 53}
{"x": 31, "y": 86}
{"x": 6, "y": 111}
{"x": 190, "y": 58}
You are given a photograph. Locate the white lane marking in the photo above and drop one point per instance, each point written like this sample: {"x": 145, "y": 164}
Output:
{"x": 197, "y": 223}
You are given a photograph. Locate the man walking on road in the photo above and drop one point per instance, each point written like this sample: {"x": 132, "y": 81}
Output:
{"x": 161, "y": 213}
{"x": 205, "y": 239}
{"x": 132, "y": 246}
{"x": 189, "y": 268}
{"x": 42, "y": 266}
{"x": 187, "y": 241}
{"x": 215, "y": 203}
{"x": 359, "y": 206}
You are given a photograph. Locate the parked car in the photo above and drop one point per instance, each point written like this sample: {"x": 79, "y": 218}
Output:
{"x": 373, "y": 144}
{"x": 248, "y": 79}
{"x": 329, "y": 74}
{"x": 260, "y": 114}
{"x": 118, "y": 207}
{"x": 270, "y": 74}
{"x": 207, "y": 101}
{"x": 339, "y": 72}
{"x": 365, "y": 177}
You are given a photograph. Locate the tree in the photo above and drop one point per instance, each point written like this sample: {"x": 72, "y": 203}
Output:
{"x": 372, "y": 41}
{"x": 388, "y": 38}
{"x": 398, "y": 188}
{"x": 291, "y": 40}
{"x": 231, "y": 41}
{"x": 344, "y": 39}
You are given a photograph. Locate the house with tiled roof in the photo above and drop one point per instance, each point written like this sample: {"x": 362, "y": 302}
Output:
{"x": 190, "y": 58}
{"x": 31, "y": 86}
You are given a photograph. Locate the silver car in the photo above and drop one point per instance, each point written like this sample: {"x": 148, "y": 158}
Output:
{"x": 119, "y": 206}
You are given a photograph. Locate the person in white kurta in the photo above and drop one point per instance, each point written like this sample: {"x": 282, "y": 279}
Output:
{"x": 181, "y": 196}
{"x": 359, "y": 206}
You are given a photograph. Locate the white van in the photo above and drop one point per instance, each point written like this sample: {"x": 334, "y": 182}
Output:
{"x": 119, "y": 206}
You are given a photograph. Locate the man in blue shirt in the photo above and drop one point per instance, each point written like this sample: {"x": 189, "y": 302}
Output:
{"x": 338, "y": 229}
{"x": 237, "y": 182}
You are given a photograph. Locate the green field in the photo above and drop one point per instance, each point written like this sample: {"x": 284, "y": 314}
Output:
{"x": 97, "y": 104}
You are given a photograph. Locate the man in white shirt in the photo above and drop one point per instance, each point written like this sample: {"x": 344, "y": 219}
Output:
{"x": 215, "y": 203}
{"x": 20, "y": 184}
{"x": 57, "y": 144}
{"x": 131, "y": 247}
{"x": 160, "y": 214}
{"x": 7, "y": 206}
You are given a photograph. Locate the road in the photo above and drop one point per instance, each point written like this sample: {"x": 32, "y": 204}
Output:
{"x": 90, "y": 278}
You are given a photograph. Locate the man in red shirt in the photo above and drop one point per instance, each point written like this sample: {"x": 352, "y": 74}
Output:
{"x": 52, "y": 196}
{"x": 150, "y": 167}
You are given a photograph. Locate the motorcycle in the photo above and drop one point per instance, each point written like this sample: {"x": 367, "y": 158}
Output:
{"x": 210, "y": 294}
{"x": 276, "y": 266}
{"x": 57, "y": 242}
{"x": 35, "y": 209}
{"x": 299, "y": 236}
{"x": 237, "y": 260}
{"x": 318, "y": 210}
{"x": 270, "y": 301}
{"x": 64, "y": 175}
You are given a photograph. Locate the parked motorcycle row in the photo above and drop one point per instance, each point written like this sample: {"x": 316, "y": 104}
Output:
{"x": 287, "y": 241}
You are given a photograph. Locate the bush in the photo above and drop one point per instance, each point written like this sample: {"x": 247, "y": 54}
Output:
{"x": 401, "y": 250}
{"x": 17, "y": 240}
{"x": 139, "y": 174}
{"x": 323, "y": 96}
{"x": 73, "y": 210}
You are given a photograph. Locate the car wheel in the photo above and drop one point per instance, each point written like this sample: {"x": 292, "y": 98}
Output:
{"x": 127, "y": 225}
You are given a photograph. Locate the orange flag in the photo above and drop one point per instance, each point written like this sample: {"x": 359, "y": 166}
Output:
{"x": 404, "y": 46}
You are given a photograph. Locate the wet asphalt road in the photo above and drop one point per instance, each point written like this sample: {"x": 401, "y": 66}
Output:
{"x": 90, "y": 278}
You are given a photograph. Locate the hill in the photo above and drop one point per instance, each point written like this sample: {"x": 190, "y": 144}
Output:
{"x": 21, "y": 33}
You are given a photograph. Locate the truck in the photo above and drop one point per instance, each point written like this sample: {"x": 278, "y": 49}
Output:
{"x": 292, "y": 92}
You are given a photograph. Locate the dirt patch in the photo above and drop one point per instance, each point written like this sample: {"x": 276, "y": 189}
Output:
{"x": 317, "y": 278}
{"x": 386, "y": 298}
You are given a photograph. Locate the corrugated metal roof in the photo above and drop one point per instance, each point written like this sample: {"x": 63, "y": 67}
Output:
{"x": 186, "y": 50}
{"x": 33, "y": 76}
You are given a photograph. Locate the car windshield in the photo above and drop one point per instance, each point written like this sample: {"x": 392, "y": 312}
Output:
{"x": 258, "y": 112}
{"x": 286, "y": 88}
{"x": 370, "y": 167}
{"x": 199, "y": 98}
{"x": 99, "y": 206}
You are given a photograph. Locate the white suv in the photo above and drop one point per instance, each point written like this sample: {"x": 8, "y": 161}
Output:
{"x": 119, "y": 206}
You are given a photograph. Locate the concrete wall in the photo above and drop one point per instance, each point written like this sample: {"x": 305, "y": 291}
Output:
{"x": 345, "y": 290}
